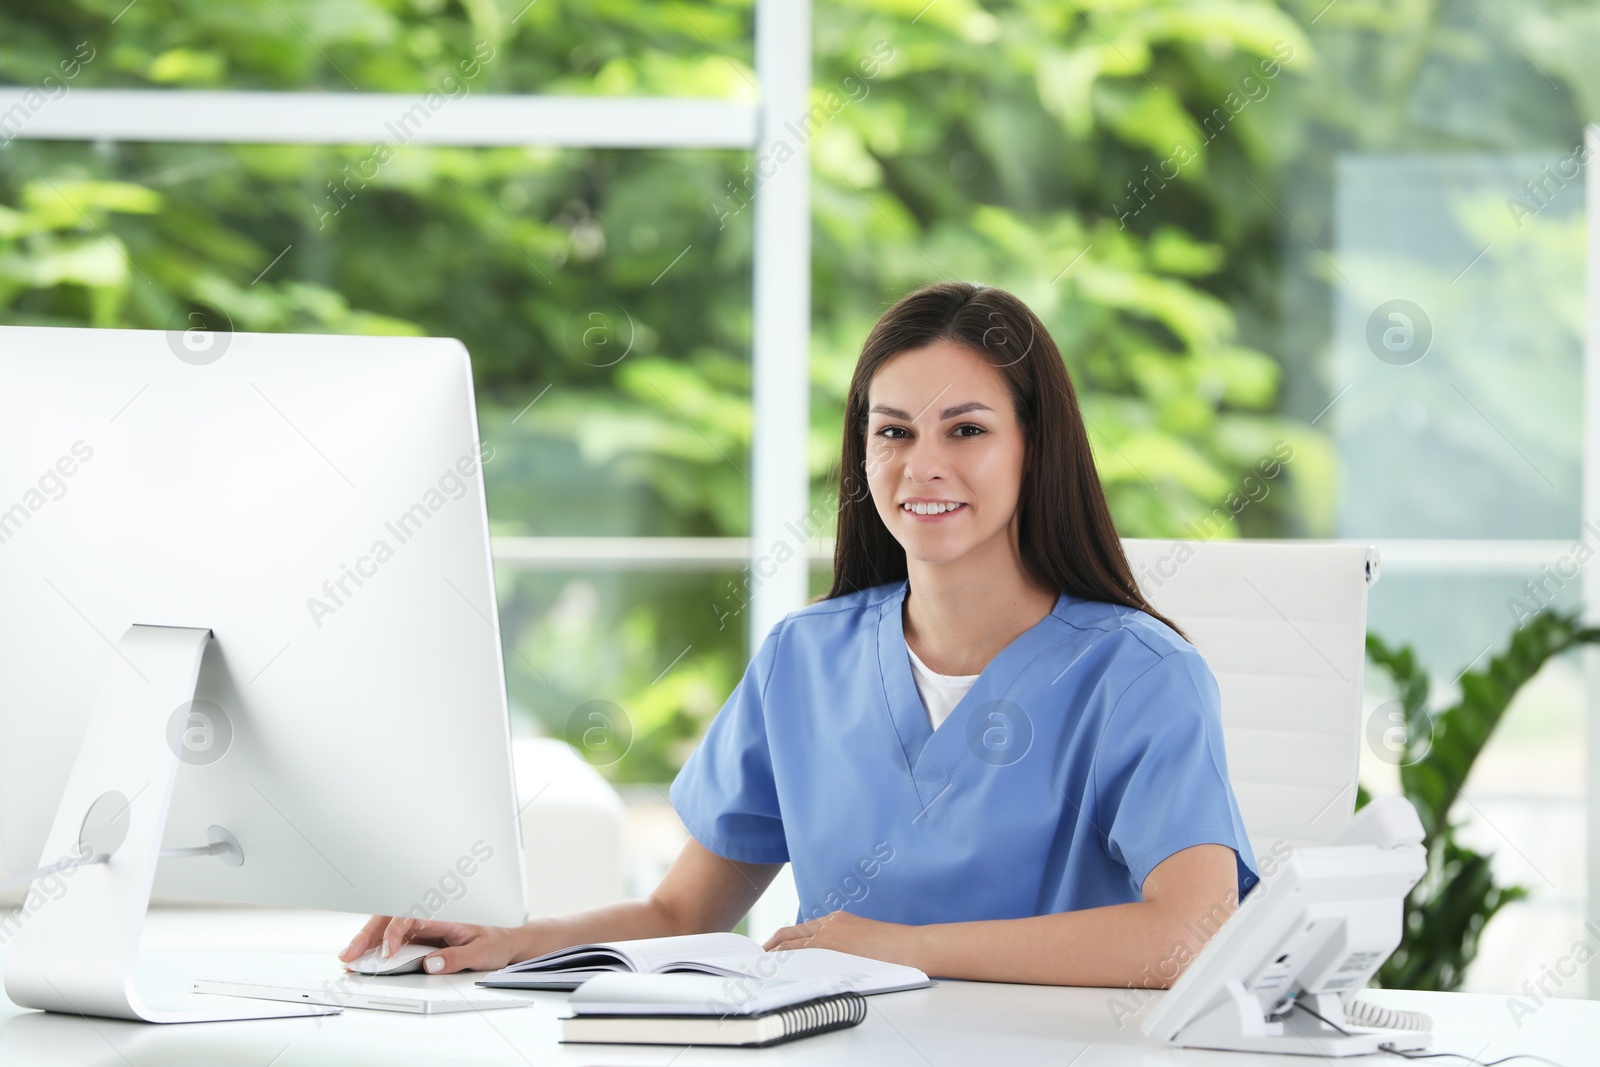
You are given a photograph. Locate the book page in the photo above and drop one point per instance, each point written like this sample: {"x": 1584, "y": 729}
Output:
{"x": 644, "y": 955}
{"x": 855, "y": 973}
{"x": 716, "y": 950}
{"x": 578, "y": 957}
{"x": 582, "y": 958}
{"x": 689, "y": 994}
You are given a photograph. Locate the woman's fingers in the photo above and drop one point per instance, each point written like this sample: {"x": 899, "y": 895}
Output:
{"x": 366, "y": 939}
{"x": 469, "y": 957}
{"x": 797, "y": 938}
{"x": 791, "y": 936}
{"x": 406, "y": 930}
{"x": 397, "y": 933}
{"x": 470, "y": 948}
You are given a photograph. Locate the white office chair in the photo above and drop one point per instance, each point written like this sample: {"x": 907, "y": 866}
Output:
{"x": 574, "y": 828}
{"x": 1283, "y": 625}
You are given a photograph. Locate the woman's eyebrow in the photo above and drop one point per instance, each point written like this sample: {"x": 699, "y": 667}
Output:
{"x": 947, "y": 413}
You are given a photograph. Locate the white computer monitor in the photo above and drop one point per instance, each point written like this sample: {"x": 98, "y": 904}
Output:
{"x": 245, "y": 584}
{"x": 1281, "y": 974}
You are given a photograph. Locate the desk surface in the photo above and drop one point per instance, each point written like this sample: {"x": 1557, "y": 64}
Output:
{"x": 952, "y": 1023}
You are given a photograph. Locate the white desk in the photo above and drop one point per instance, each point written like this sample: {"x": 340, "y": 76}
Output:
{"x": 954, "y": 1023}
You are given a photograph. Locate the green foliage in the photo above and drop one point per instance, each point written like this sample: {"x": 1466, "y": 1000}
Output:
{"x": 1446, "y": 914}
{"x": 1025, "y": 144}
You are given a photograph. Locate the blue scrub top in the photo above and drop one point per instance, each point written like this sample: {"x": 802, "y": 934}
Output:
{"x": 1088, "y": 751}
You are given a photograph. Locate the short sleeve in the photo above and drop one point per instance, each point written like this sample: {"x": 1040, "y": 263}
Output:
{"x": 1161, "y": 772}
{"x": 725, "y": 794}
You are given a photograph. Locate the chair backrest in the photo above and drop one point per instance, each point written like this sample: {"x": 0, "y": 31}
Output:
{"x": 1283, "y": 625}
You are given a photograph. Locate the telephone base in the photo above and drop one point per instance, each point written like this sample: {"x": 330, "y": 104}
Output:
{"x": 1238, "y": 1023}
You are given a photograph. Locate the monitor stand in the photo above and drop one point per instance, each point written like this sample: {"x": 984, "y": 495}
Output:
{"x": 77, "y": 953}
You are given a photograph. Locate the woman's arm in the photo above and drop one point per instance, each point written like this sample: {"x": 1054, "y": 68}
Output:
{"x": 1186, "y": 899}
{"x": 701, "y": 893}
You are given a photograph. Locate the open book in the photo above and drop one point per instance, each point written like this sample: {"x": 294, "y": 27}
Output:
{"x": 731, "y": 956}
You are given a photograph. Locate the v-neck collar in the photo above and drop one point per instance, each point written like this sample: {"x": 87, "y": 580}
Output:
{"x": 932, "y": 756}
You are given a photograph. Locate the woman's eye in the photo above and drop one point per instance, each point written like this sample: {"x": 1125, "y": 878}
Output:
{"x": 969, "y": 426}
{"x": 892, "y": 432}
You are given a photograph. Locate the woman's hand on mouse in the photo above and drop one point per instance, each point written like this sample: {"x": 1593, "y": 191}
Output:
{"x": 462, "y": 947}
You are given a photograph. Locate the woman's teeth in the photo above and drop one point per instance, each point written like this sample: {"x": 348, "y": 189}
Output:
{"x": 931, "y": 509}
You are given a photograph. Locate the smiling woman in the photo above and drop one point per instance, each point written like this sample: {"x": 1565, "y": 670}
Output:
{"x": 1007, "y": 443}
{"x": 1069, "y": 820}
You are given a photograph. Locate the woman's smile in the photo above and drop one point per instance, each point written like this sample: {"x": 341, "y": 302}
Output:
{"x": 919, "y": 509}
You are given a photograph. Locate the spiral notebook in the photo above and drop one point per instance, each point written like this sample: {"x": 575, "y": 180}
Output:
{"x": 688, "y": 1009}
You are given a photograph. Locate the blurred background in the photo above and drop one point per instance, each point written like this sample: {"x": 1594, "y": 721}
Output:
{"x": 1347, "y": 235}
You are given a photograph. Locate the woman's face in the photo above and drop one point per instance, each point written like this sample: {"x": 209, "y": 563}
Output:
{"x": 942, "y": 436}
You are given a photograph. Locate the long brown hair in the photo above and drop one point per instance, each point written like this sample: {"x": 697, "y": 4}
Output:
{"x": 1065, "y": 534}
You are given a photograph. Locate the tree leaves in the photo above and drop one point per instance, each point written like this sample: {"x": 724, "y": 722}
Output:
{"x": 993, "y": 142}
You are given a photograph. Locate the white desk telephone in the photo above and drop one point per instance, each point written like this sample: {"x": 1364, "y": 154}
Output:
{"x": 1282, "y": 972}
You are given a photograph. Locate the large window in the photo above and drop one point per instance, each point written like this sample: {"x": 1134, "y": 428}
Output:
{"x": 1350, "y": 232}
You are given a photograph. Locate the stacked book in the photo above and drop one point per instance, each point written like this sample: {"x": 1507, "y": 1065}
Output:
{"x": 706, "y": 989}
{"x": 688, "y": 1009}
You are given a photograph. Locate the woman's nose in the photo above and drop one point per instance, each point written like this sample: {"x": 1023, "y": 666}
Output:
{"x": 925, "y": 463}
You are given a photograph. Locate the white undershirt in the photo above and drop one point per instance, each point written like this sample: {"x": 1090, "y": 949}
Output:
{"x": 940, "y": 692}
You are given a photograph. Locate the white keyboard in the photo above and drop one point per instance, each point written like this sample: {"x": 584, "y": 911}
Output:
{"x": 376, "y": 996}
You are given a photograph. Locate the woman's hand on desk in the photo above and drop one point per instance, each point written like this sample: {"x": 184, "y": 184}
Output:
{"x": 701, "y": 893}
{"x": 464, "y": 947}
{"x": 845, "y": 932}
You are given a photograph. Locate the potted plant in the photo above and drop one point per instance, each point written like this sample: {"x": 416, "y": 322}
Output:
{"x": 1446, "y": 913}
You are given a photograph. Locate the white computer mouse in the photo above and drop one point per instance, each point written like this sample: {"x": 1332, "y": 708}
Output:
{"x": 406, "y": 960}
